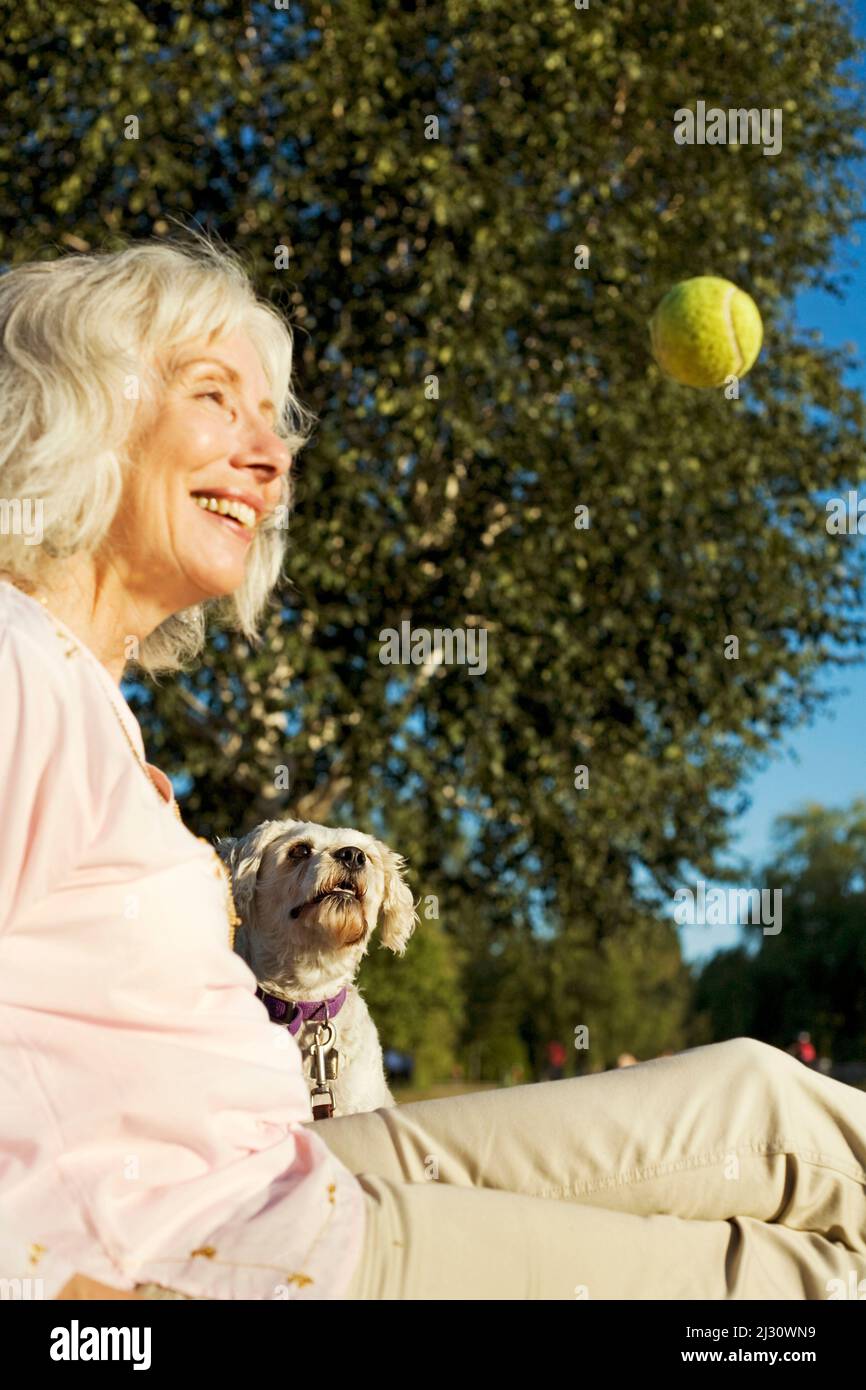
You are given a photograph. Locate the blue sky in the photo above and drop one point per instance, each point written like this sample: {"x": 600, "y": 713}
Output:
{"x": 824, "y": 762}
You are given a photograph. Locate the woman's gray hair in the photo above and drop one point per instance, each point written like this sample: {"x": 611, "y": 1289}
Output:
{"x": 79, "y": 341}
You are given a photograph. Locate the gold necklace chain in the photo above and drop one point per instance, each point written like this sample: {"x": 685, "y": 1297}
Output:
{"x": 221, "y": 869}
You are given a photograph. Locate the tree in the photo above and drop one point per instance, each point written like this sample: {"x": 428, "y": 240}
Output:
{"x": 812, "y": 974}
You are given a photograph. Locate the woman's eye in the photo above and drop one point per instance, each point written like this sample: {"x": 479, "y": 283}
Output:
{"x": 212, "y": 395}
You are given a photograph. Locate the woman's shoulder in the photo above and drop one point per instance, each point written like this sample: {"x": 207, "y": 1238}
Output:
{"x": 47, "y": 700}
{"x": 30, "y": 644}
{"x": 49, "y": 803}
{"x": 48, "y": 653}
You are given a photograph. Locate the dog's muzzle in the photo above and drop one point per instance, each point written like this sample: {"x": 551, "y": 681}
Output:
{"x": 347, "y": 890}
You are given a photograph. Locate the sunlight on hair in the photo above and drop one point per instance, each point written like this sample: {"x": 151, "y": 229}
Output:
{"x": 87, "y": 341}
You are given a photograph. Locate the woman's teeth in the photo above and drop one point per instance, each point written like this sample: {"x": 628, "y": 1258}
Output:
{"x": 225, "y": 506}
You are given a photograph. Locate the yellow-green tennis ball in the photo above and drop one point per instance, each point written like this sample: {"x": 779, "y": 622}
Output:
{"x": 706, "y": 330}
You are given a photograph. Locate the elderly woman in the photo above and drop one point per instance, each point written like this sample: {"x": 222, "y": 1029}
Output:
{"x": 152, "y": 1133}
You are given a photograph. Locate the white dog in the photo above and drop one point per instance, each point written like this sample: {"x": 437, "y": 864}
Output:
{"x": 309, "y": 899}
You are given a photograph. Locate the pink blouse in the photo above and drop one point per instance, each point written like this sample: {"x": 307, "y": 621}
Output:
{"x": 150, "y": 1112}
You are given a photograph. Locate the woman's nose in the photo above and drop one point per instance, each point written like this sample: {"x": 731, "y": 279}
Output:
{"x": 262, "y": 446}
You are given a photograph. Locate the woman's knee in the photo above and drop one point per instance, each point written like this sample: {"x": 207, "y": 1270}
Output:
{"x": 756, "y": 1056}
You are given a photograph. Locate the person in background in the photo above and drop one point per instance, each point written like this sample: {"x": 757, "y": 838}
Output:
{"x": 556, "y": 1055}
{"x": 804, "y": 1049}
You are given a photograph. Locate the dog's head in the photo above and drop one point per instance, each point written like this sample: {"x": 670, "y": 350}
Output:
{"x": 310, "y": 898}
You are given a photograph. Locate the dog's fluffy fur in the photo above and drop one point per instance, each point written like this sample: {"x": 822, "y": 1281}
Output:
{"x": 309, "y": 899}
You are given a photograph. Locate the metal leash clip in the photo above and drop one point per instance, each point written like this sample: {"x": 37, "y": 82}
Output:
{"x": 326, "y": 1065}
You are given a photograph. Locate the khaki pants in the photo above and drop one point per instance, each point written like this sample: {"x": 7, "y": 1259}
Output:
{"x": 729, "y": 1171}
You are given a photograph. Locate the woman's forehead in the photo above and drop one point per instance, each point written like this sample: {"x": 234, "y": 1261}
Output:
{"x": 235, "y": 352}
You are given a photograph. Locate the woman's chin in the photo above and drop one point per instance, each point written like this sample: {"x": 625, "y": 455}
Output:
{"x": 217, "y": 579}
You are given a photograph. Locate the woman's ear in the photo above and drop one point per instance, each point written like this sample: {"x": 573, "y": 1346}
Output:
{"x": 399, "y": 917}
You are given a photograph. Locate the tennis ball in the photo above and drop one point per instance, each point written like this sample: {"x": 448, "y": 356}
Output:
{"x": 705, "y": 330}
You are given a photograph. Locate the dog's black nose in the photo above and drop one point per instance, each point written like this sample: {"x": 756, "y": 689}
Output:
{"x": 350, "y": 857}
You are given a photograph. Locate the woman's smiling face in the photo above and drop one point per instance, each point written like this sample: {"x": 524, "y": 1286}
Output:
{"x": 211, "y": 437}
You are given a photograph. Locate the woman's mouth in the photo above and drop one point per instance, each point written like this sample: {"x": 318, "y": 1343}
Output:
{"x": 237, "y": 517}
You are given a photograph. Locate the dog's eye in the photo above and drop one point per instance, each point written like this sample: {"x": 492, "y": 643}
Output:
{"x": 299, "y": 851}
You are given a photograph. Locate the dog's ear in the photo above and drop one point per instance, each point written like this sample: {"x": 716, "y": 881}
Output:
{"x": 399, "y": 917}
{"x": 242, "y": 861}
{"x": 243, "y": 858}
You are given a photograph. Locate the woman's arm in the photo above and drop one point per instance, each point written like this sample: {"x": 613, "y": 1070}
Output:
{"x": 34, "y": 768}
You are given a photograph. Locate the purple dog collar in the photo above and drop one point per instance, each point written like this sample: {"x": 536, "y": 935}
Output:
{"x": 307, "y": 1011}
